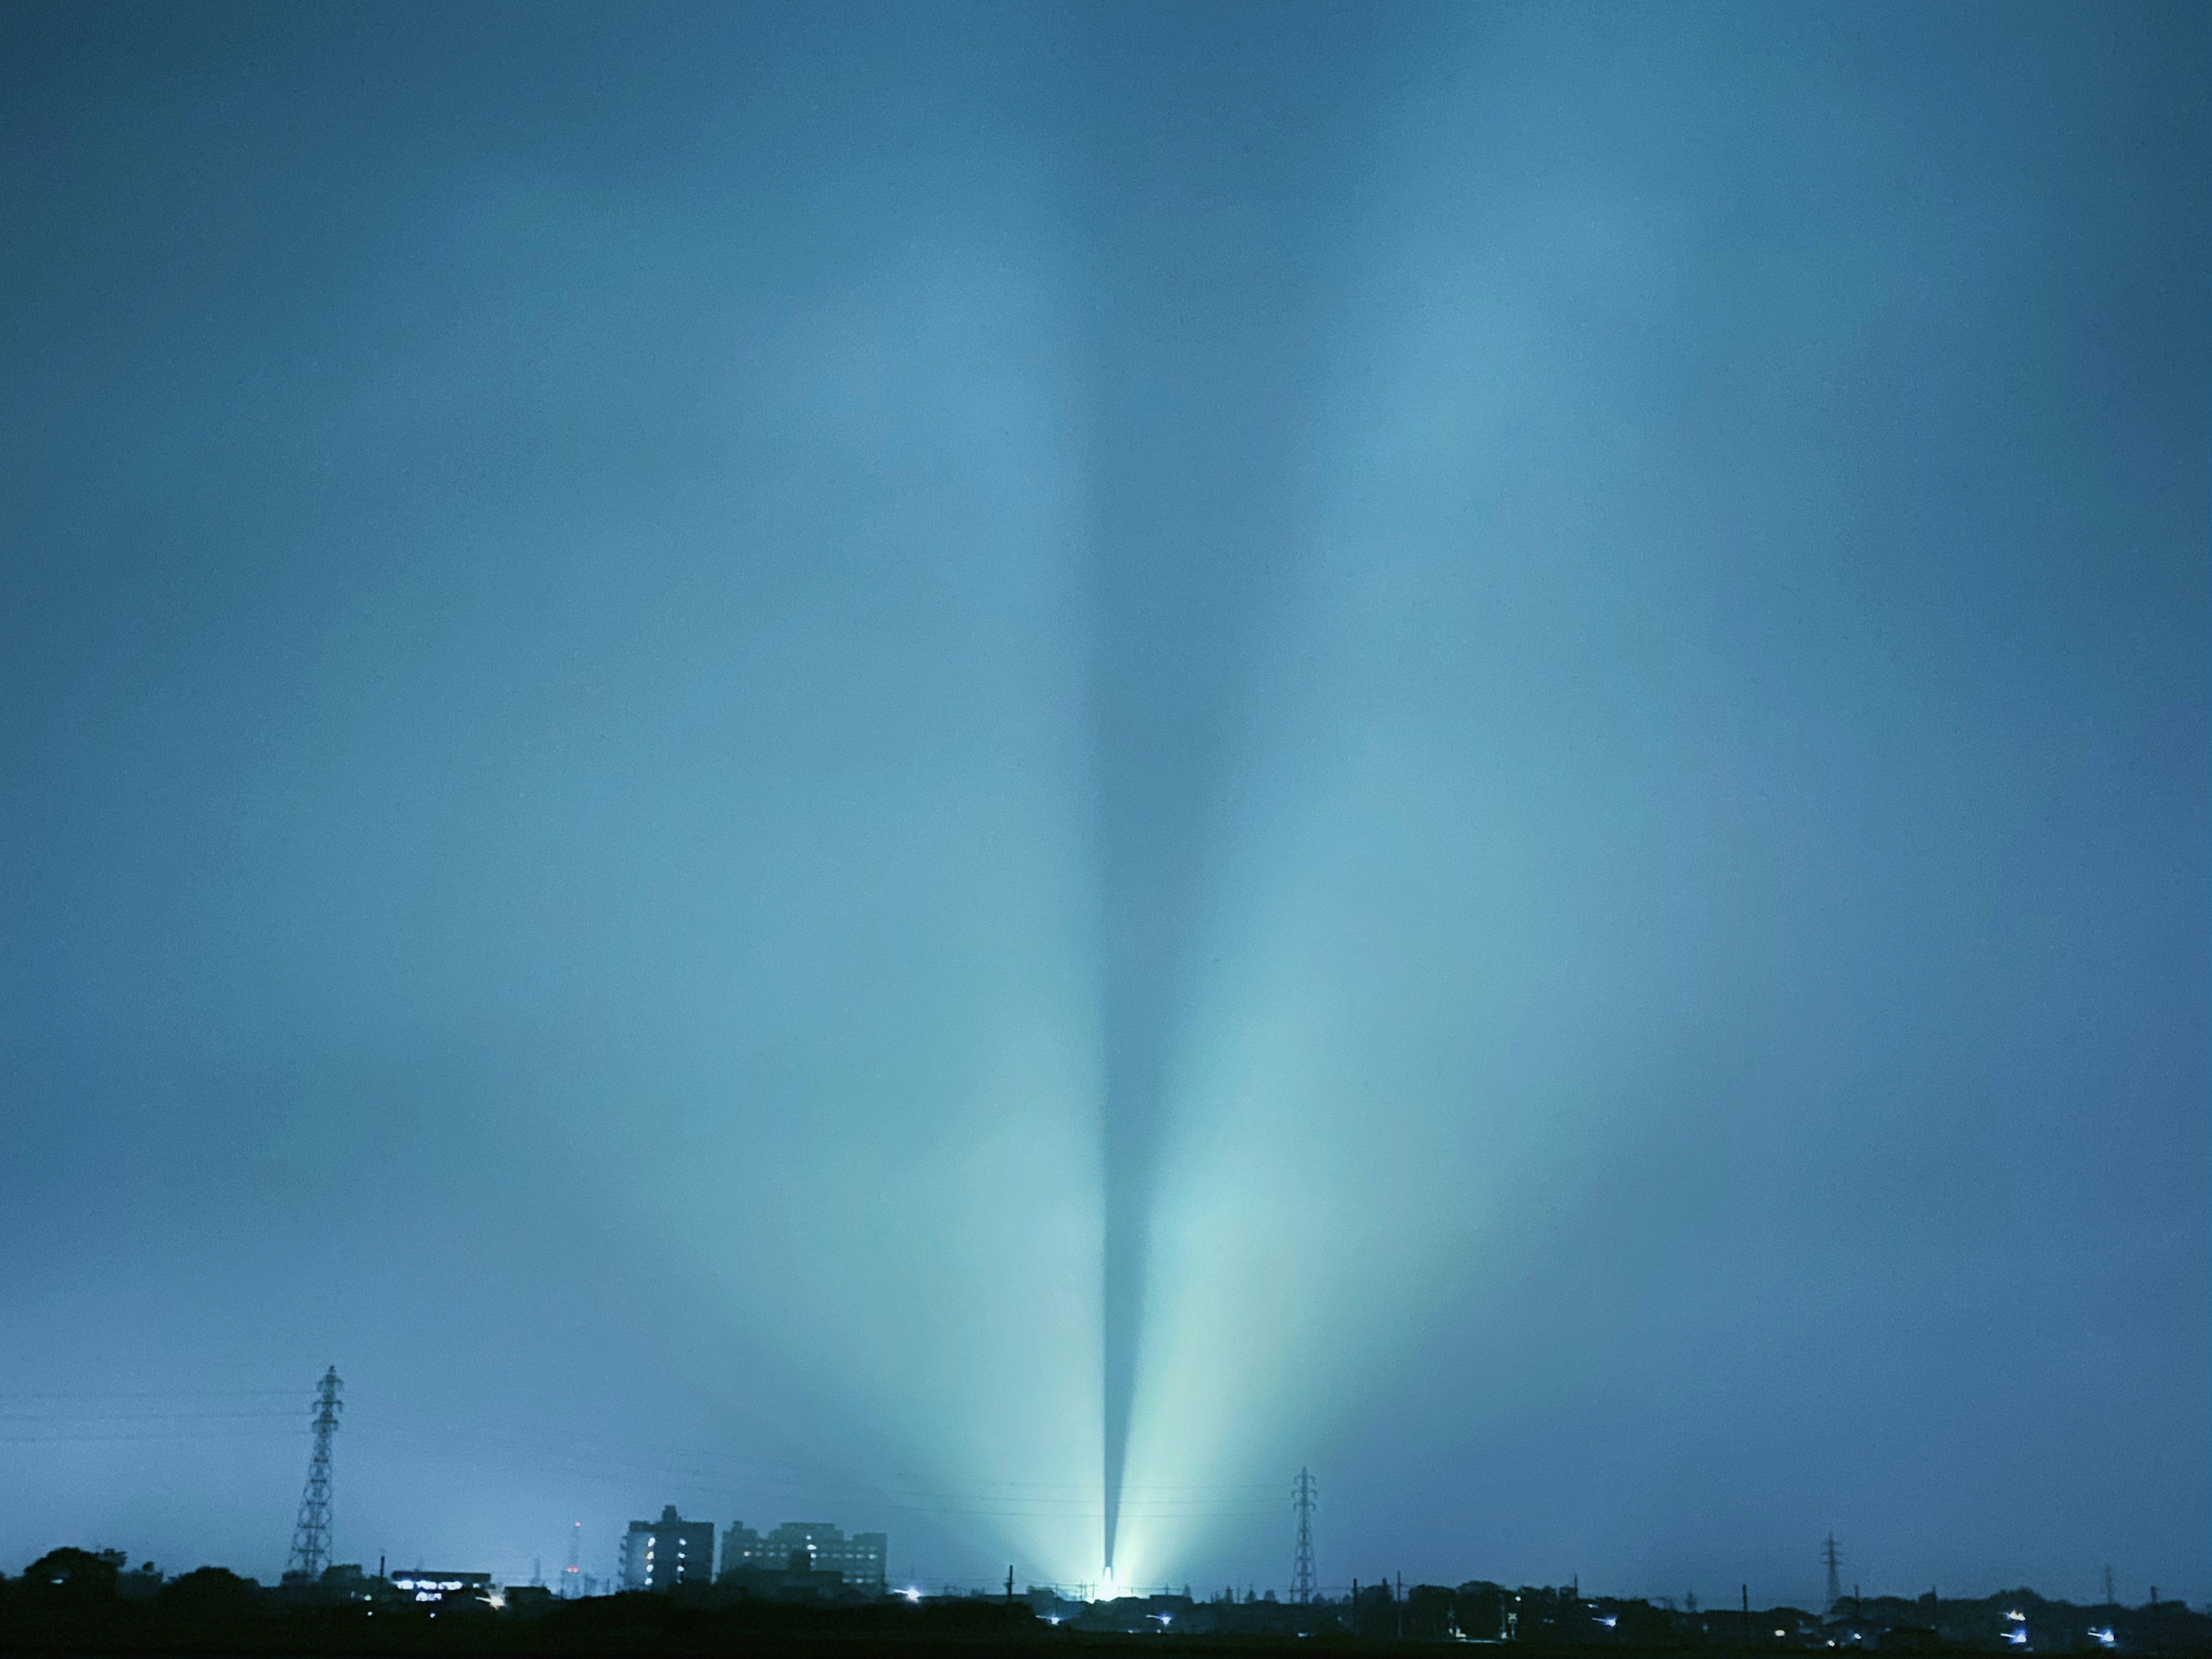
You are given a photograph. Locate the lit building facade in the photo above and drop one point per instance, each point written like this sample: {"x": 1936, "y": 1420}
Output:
{"x": 810, "y": 1545}
{"x": 436, "y": 1587}
{"x": 658, "y": 1555}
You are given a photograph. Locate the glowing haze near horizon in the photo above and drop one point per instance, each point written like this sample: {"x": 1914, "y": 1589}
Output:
{"x": 985, "y": 771}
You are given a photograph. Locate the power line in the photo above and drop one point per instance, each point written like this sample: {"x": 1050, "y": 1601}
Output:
{"x": 9, "y": 1395}
{"x": 31, "y": 1418}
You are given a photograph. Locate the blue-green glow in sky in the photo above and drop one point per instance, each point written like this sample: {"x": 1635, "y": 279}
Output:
{"x": 987, "y": 769}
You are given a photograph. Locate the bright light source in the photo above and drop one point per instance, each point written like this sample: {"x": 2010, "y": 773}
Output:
{"x": 2103, "y": 1636}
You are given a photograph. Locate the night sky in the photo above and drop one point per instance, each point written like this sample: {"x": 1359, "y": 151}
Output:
{"x": 984, "y": 771}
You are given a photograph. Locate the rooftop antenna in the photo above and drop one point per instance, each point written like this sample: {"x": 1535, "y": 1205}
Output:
{"x": 1301, "y": 1569}
{"x": 1835, "y": 1579}
{"x": 311, "y": 1531}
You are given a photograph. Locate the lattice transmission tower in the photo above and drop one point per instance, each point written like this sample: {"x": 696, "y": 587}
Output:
{"x": 1828, "y": 1554}
{"x": 311, "y": 1533}
{"x": 1302, "y": 1494}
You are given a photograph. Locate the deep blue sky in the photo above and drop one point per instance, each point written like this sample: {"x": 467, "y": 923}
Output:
{"x": 698, "y": 706}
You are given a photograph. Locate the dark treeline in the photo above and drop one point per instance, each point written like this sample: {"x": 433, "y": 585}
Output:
{"x": 79, "y": 1602}
{"x": 1562, "y": 1617}
{"x": 75, "y": 1601}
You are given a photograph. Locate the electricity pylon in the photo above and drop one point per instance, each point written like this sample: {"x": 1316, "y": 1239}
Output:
{"x": 1835, "y": 1580}
{"x": 1302, "y": 1567}
{"x": 311, "y": 1533}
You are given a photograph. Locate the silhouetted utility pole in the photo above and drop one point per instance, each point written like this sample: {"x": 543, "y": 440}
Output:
{"x": 1835, "y": 1580}
{"x": 2110, "y": 1600}
{"x": 311, "y": 1531}
{"x": 1010, "y": 1584}
{"x": 1302, "y": 1565}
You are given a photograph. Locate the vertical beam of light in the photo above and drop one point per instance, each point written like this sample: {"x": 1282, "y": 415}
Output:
{"x": 1198, "y": 390}
{"x": 874, "y": 1164}
{"x": 1189, "y": 506}
{"x": 1485, "y": 879}
{"x": 1362, "y": 1033}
